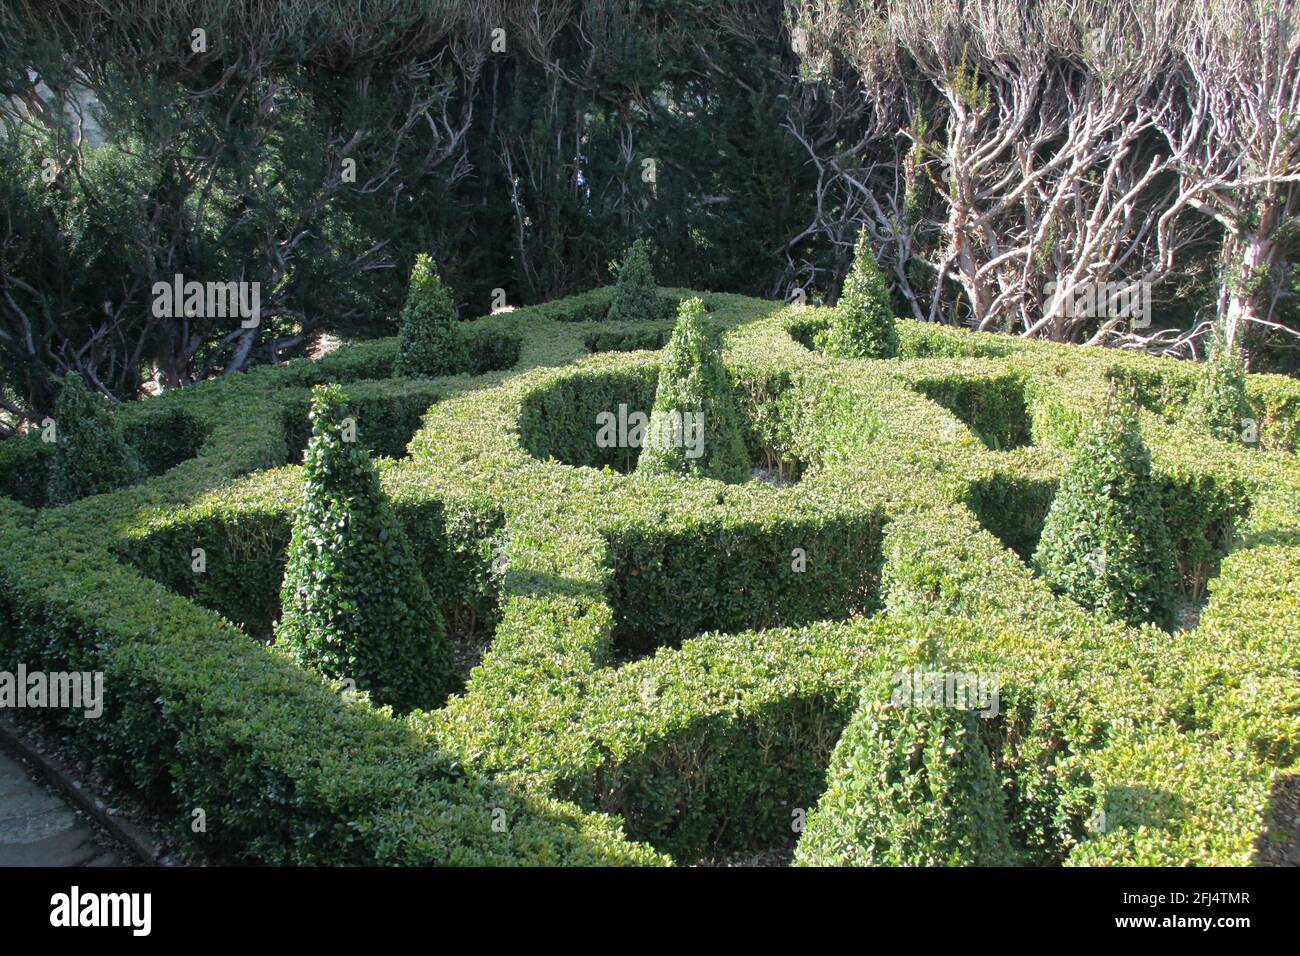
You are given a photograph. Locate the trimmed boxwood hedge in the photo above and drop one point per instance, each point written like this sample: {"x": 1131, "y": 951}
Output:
{"x": 910, "y": 786}
{"x": 631, "y": 340}
{"x": 635, "y": 298}
{"x": 862, "y": 323}
{"x": 715, "y": 741}
{"x": 430, "y": 340}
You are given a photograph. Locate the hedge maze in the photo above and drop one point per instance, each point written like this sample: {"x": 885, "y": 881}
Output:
{"x": 654, "y": 669}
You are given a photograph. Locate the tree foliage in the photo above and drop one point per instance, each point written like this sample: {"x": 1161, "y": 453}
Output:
{"x": 316, "y": 153}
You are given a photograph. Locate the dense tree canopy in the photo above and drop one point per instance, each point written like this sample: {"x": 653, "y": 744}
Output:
{"x": 1006, "y": 160}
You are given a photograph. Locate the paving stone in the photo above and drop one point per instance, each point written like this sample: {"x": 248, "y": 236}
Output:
{"x": 17, "y": 806}
{"x": 13, "y": 777}
{"x": 39, "y": 828}
{"x": 35, "y": 827}
{"x": 17, "y": 788}
{"x": 71, "y": 846}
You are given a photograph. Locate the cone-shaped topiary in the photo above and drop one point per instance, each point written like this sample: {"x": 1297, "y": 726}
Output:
{"x": 430, "y": 342}
{"x": 909, "y": 786}
{"x": 1220, "y": 402}
{"x": 862, "y": 322}
{"x": 90, "y": 454}
{"x": 1105, "y": 543}
{"x": 635, "y": 299}
{"x": 694, "y": 428}
{"x": 354, "y": 604}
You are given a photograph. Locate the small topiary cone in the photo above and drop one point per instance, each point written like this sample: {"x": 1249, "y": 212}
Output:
{"x": 1105, "y": 543}
{"x": 353, "y": 601}
{"x": 862, "y": 323}
{"x": 693, "y": 400}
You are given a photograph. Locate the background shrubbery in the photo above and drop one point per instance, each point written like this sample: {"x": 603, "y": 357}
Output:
{"x": 331, "y": 154}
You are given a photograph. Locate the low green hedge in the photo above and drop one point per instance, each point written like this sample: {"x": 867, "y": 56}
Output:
{"x": 670, "y": 582}
{"x": 387, "y": 414}
{"x": 910, "y": 786}
{"x": 25, "y": 469}
{"x": 561, "y": 422}
{"x": 626, "y": 340}
{"x": 162, "y": 437}
{"x": 494, "y": 350}
{"x": 198, "y": 717}
{"x": 950, "y": 784}
{"x": 993, "y": 407}
{"x": 244, "y": 533}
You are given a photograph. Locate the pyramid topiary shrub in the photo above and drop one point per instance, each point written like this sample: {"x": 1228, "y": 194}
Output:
{"x": 1105, "y": 542}
{"x": 694, "y": 427}
{"x": 353, "y": 602}
{"x": 90, "y": 454}
{"x": 430, "y": 342}
{"x": 862, "y": 322}
{"x": 1220, "y": 402}
{"x": 634, "y": 296}
{"x": 909, "y": 786}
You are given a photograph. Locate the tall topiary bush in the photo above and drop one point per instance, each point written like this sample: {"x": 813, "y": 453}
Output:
{"x": 1105, "y": 543}
{"x": 694, "y": 427}
{"x": 862, "y": 322}
{"x": 1220, "y": 402}
{"x": 634, "y": 295}
{"x": 353, "y": 602}
{"x": 90, "y": 454}
{"x": 909, "y": 786}
{"x": 430, "y": 342}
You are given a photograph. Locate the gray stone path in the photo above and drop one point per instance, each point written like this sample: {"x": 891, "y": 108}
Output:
{"x": 38, "y": 828}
